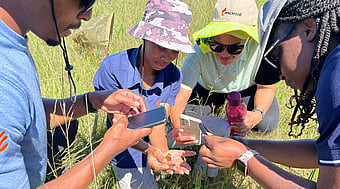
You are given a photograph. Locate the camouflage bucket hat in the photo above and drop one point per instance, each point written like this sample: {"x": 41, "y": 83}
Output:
{"x": 166, "y": 23}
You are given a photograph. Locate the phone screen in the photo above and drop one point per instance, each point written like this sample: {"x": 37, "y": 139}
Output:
{"x": 147, "y": 119}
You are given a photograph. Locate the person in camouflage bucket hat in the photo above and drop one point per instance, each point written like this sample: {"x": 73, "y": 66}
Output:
{"x": 165, "y": 23}
{"x": 148, "y": 71}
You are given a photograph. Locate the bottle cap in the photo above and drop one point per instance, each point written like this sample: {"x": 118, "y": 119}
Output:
{"x": 234, "y": 98}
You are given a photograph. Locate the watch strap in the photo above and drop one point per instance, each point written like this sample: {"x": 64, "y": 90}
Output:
{"x": 258, "y": 110}
{"x": 242, "y": 161}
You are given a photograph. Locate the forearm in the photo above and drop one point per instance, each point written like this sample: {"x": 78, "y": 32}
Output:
{"x": 84, "y": 172}
{"x": 270, "y": 176}
{"x": 158, "y": 138}
{"x": 264, "y": 97}
{"x": 303, "y": 151}
{"x": 179, "y": 106}
{"x": 60, "y": 111}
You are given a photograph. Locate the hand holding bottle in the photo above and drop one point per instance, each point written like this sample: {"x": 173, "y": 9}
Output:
{"x": 236, "y": 111}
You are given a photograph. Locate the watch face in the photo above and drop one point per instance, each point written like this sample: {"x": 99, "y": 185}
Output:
{"x": 241, "y": 167}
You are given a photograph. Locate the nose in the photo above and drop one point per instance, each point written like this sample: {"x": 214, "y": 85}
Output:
{"x": 226, "y": 53}
{"x": 85, "y": 16}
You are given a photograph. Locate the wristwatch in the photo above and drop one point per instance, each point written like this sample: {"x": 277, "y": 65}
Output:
{"x": 241, "y": 162}
{"x": 259, "y": 110}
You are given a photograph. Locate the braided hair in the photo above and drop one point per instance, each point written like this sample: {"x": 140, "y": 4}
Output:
{"x": 327, "y": 17}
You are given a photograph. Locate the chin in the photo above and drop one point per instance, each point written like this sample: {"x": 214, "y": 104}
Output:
{"x": 226, "y": 63}
{"x": 52, "y": 42}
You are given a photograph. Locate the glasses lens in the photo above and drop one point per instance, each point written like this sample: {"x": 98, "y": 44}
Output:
{"x": 231, "y": 49}
{"x": 234, "y": 49}
{"x": 87, "y": 4}
{"x": 216, "y": 47}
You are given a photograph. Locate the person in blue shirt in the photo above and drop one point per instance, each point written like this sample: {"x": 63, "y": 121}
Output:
{"x": 300, "y": 42}
{"x": 148, "y": 70}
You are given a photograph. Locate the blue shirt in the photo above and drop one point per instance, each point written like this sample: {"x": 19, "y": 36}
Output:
{"x": 119, "y": 71}
{"x": 23, "y": 151}
{"x": 328, "y": 110}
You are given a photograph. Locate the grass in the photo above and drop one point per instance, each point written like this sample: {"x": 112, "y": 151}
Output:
{"x": 86, "y": 60}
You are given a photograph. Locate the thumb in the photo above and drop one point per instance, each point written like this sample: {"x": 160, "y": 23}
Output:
{"x": 188, "y": 153}
{"x": 204, "y": 151}
{"x": 208, "y": 140}
{"x": 140, "y": 133}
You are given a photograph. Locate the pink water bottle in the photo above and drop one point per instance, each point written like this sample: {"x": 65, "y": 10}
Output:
{"x": 235, "y": 109}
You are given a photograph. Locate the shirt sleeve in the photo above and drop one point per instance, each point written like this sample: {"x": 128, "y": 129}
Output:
{"x": 14, "y": 118}
{"x": 105, "y": 78}
{"x": 175, "y": 87}
{"x": 191, "y": 69}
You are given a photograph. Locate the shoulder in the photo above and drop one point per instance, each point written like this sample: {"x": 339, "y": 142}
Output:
{"x": 123, "y": 60}
{"x": 172, "y": 71}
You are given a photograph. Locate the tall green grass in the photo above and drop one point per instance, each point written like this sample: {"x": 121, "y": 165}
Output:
{"x": 86, "y": 60}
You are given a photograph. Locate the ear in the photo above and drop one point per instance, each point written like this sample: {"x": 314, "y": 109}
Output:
{"x": 309, "y": 28}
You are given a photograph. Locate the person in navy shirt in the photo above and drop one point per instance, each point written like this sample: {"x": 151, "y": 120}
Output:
{"x": 300, "y": 41}
{"x": 148, "y": 70}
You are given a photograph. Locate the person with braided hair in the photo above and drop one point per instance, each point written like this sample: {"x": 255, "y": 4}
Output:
{"x": 300, "y": 44}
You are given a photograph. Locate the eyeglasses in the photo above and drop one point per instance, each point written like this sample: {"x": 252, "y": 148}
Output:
{"x": 87, "y": 4}
{"x": 233, "y": 49}
{"x": 274, "y": 61}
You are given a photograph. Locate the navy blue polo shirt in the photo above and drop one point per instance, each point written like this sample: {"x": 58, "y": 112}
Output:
{"x": 328, "y": 110}
{"x": 119, "y": 71}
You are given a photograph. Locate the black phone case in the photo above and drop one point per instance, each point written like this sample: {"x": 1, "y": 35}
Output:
{"x": 147, "y": 119}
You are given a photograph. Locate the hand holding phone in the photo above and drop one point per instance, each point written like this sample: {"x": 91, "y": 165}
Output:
{"x": 191, "y": 125}
{"x": 147, "y": 119}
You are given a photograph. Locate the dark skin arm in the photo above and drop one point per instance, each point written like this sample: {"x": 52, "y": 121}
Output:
{"x": 61, "y": 111}
{"x": 303, "y": 151}
{"x": 222, "y": 152}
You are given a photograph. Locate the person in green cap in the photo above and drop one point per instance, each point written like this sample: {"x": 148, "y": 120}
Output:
{"x": 225, "y": 60}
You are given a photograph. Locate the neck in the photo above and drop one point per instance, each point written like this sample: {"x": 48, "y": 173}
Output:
{"x": 143, "y": 66}
{"x": 10, "y": 14}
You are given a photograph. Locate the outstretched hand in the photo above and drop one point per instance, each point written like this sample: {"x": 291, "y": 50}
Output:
{"x": 120, "y": 101}
{"x": 170, "y": 161}
{"x": 251, "y": 120}
{"x": 119, "y": 137}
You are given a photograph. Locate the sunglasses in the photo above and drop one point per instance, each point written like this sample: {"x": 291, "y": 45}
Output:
{"x": 274, "y": 61}
{"x": 233, "y": 49}
{"x": 87, "y": 4}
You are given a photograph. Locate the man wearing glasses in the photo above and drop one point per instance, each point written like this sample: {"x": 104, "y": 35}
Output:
{"x": 25, "y": 115}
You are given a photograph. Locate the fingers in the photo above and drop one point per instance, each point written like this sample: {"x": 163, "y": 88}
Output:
{"x": 188, "y": 153}
{"x": 183, "y": 139}
{"x": 210, "y": 140}
{"x": 135, "y": 100}
{"x": 135, "y": 133}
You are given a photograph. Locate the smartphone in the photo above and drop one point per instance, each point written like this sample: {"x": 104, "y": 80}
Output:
{"x": 191, "y": 125}
{"x": 147, "y": 119}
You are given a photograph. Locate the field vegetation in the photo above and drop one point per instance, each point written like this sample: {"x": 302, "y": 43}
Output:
{"x": 86, "y": 60}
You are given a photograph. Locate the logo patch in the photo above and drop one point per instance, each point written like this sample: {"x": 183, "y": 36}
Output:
{"x": 3, "y": 143}
{"x": 225, "y": 12}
